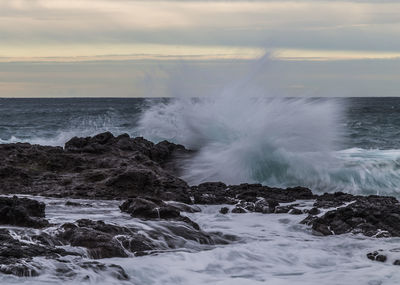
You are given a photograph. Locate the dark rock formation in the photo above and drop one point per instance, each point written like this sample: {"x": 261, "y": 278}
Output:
{"x": 22, "y": 212}
{"x": 224, "y": 210}
{"x": 102, "y": 166}
{"x": 104, "y": 240}
{"x": 16, "y": 256}
{"x": 377, "y": 216}
{"x": 376, "y": 256}
{"x": 219, "y": 193}
{"x": 100, "y": 239}
{"x": 149, "y": 209}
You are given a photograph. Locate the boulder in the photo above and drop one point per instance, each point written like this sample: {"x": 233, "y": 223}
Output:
{"x": 22, "y": 212}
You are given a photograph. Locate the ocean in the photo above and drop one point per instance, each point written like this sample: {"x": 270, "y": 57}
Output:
{"x": 336, "y": 144}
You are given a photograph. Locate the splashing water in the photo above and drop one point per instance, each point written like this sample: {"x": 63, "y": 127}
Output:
{"x": 242, "y": 136}
{"x": 241, "y": 139}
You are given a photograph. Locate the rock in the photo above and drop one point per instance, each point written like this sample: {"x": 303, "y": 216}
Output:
{"x": 16, "y": 257}
{"x": 377, "y": 216}
{"x": 98, "y": 167}
{"x": 75, "y": 204}
{"x": 104, "y": 240}
{"x": 99, "y": 239}
{"x": 219, "y": 193}
{"x": 149, "y": 209}
{"x": 295, "y": 211}
{"x": 238, "y": 210}
{"x": 396, "y": 262}
{"x": 331, "y": 200}
{"x": 22, "y": 212}
{"x": 224, "y": 210}
{"x": 313, "y": 211}
{"x": 376, "y": 256}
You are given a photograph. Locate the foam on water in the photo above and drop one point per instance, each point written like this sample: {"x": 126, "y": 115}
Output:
{"x": 274, "y": 249}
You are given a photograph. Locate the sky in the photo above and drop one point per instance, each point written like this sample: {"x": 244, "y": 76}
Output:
{"x": 127, "y": 48}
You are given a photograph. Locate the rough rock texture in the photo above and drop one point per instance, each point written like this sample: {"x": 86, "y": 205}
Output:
{"x": 16, "y": 256}
{"x": 219, "y": 193}
{"x": 104, "y": 240}
{"x": 377, "y": 216}
{"x": 22, "y": 212}
{"x": 149, "y": 209}
{"x": 102, "y": 166}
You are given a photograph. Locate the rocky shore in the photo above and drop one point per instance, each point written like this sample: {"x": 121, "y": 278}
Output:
{"x": 144, "y": 178}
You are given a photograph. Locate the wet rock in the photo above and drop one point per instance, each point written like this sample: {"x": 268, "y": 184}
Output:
{"x": 377, "y": 216}
{"x": 313, "y": 211}
{"x": 184, "y": 207}
{"x": 149, "y": 209}
{"x": 224, "y": 210}
{"x": 16, "y": 257}
{"x": 102, "y": 166}
{"x": 295, "y": 211}
{"x": 309, "y": 220}
{"x": 219, "y": 193}
{"x": 238, "y": 210}
{"x": 76, "y": 204}
{"x": 100, "y": 238}
{"x": 116, "y": 271}
{"x": 376, "y": 256}
{"x": 22, "y": 212}
{"x": 104, "y": 240}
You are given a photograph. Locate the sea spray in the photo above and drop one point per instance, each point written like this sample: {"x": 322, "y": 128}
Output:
{"x": 278, "y": 141}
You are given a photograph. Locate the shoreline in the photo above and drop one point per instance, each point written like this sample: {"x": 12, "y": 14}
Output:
{"x": 141, "y": 179}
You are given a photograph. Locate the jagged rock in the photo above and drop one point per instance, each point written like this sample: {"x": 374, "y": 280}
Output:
{"x": 219, "y": 193}
{"x": 376, "y": 256}
{"x": 149, "y": 209}
{"x": 22, "y": 212}
{"x": 154, "y": 209}
{"x": 295, "y": 211}
{"x": 313, "y": 211}
{"x": 104, "y": 240}
{"x": 16, "y": 256}
{"x": 377, "y": 216}
{"x": 238, "y": 210}
{"x": 224, "y": 210}
{"x": 102, "y": 166}
{"x": 99, "y": 239}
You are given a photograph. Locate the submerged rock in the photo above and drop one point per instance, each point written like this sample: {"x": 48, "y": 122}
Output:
{"x": 149, "y": 209}
{"x": 377, "y": 256}
{"x": 104, "y": 240}
{"x": 214, "y": 193}
{"x": 16, "y": 257}
{"x": 22, "y": 212}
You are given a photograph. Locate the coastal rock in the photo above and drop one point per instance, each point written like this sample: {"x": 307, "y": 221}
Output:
{"x": 104, "y": 240}
{"x": 16, "y": 257}
{"x": 22, "y": 212}
{"x": 100, "y": 239}
{"x": 149, "y": 209}
{"x": 214, "y": 193}
{"x": 377, "y": 256}
{"x": 377, "y": 216}
{"x": 102, "y": 166}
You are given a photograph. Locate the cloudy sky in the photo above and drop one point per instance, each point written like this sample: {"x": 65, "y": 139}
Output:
{"x": 124, "y": 48}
